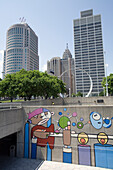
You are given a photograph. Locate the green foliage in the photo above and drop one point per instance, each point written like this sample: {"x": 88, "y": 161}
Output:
{"x": 79, "y": 94}
{"x": 31, "y": 83}
{"x": 110, "y": 84}
{"x": 73, "y": 95}
{"x": 101, "y": 93}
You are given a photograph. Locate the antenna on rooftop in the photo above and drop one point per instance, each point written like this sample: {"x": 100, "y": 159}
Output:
{"x": 66, "y": 45}
{"x": 22, "y": 19}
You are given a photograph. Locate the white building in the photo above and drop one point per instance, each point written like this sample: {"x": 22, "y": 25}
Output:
{"x": 21, "y": 49}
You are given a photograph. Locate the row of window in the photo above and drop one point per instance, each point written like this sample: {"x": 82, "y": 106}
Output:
{"x": 16, "y": 30}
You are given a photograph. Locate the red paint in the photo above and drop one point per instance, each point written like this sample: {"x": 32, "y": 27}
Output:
{"x": 43, "y": 142}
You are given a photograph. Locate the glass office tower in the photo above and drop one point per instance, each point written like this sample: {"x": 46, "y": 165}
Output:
{"x": 21, "y": 49}
{"x": 89, "y": 56}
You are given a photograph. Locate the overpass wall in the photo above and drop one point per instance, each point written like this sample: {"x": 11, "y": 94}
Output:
{"x": 11, "y": 121}
{"x": 103, "y": 100}
{"x": 74, "y": 134}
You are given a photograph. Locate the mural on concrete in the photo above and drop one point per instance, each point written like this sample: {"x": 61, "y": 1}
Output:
{"x": 97, "y": 121}
{"x": 103, "y": 152}
{"x": 84, "y": 151}
{"x": 41, "y": 132}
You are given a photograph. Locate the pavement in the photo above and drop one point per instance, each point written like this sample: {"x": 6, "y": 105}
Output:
{"x": 47, "y": 165}
{"x": 13, "y": 163}
{"x": 8, "y": 163}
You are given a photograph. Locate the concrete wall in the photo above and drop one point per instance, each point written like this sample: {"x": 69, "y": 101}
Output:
{"x": 11, "y": 121}
{"x": 83, "y": 124}
{"x": 68, "y": 101}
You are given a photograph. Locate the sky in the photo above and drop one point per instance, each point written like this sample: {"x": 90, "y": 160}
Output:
{"x": 52, "y": 21}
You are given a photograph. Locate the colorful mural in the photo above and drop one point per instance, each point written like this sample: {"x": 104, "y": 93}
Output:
{"x": 40, "y": 131}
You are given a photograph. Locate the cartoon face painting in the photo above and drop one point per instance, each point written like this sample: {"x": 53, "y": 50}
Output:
{"x": 107, "y": 122}
{"x": 37, "y": 118}
{"x": 96, "y": 120}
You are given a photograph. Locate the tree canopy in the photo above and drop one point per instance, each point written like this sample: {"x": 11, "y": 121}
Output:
{"x": 110, "y": 83}
{"x": 31, "y": 83}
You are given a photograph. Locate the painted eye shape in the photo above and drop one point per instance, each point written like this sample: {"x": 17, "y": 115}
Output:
{"x": 35, "y": 116}
{"x": 96, "y": 116}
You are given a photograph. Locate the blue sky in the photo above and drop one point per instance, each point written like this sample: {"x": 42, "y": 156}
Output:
{"x": 52, "y": 21}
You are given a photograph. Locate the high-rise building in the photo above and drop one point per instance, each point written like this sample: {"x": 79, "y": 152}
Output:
{"x": 4, "y": 64}
{"x": 63, "y": 69}
{"x": 21, "y": 49}
{"x": 89, "y": 56}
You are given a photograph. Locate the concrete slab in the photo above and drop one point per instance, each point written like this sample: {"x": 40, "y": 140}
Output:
{"x": 50, "y": 165}
{"x": 8, "y": 163}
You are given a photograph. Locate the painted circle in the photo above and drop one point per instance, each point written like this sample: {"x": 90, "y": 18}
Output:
{"x": 82, "y": 138}
{"x": 74, "y": 114}
{"x": 63, "y": 121}
{"x": 60, "y": 113}
{"x": 81, "y": 119}
{"x": 80, "y": 125}
{"x": 67, "y": 113}
{"x": 96, "y": 116}
{"x": 73, "y": 124}
{"x": 65, "y": 109}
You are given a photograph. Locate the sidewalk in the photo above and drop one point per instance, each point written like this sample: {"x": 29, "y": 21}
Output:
{"x": 8, "y": 163}
{"x": 48, "y": 165}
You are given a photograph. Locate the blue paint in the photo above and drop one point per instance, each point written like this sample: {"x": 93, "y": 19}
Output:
{"x": 67, "y": 113}
{"x": 67, "y": 157}
{"x": 103, "y": 155}
{"x": 107, "y": 123}
{"x": 81, "y": 119}
{"x": 84, "y": 155}
{"x": 26, "y": 141}
{"x": 33, "y": 150}
{"x": 65, "y": 109}
{"x": 96, "y": 120}
{"x": 60, "y": 113}
{"x": 49, "y": 151}
{"x": 73, "y": 124}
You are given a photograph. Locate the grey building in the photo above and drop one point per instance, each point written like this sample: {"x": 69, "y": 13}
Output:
{"x": 88, "y": 49}
{"x": 21, "y": 49}
{"x": 64, "y": 69}
{"x": 4, "y": 64}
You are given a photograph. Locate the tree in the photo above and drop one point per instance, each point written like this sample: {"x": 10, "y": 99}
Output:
{"x": 31, "y": 83}
{"x": 8, "y": 86}
{"x": 79, "y": 94}
{"x": 110, "y": 83}
{"x": 101, "y": 93}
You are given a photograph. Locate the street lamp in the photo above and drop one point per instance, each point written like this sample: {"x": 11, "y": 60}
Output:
{"x": 106, "y": 65}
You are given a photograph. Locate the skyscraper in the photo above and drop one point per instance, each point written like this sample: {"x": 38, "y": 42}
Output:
{"x": 21, "y": 49}
{"x": 88, "y": 48}
{"x": 4, "y": 64}
{"x": 64, "y": 69}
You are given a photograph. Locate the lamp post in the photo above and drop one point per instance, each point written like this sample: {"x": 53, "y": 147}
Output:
{"x": 106, "y": 65}
{"x": 104, "y": 90}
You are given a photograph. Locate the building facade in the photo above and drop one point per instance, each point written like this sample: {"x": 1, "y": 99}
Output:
{"x": 21, "y": 49}
{"x": 63, "y": 68}
{"x": 4, "y": 64}
{"x": 89, "y": 56}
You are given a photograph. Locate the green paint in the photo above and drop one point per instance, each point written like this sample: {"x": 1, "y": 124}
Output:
{"x": 80, "y": 125}
{"x": 63, "y": 121}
